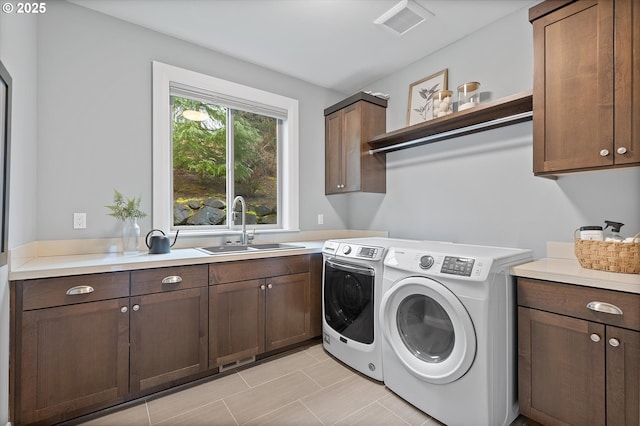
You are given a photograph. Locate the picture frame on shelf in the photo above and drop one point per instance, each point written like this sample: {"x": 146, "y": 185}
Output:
{"x": 421, "y": 95}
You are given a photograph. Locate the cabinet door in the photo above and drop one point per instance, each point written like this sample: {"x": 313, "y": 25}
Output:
{"x": 169, "y": 337}
{"x": 236, "y": 321}
{"x": 74, "y": 360}
{"x": 623, "y": 376}
{"x": 334, "y": 154}
{"x": 627, "y": 82}
{"x": 561, "y": 369}
{"x": 351, "y": 140}
{"x": 573, "y": 87}
{"x": 287, "y": 310}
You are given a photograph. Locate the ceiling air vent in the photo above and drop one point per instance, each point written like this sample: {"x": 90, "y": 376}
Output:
{"x": 403, "y": 16}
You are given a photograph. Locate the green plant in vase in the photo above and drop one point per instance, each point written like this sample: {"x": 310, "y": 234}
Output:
{"x": 128, "y": 211}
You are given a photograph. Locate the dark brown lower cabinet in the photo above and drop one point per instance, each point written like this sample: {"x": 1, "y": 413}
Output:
{"x": 577, "y": 366}
{"x": 168, "y": 337}
{"x": 169, "y": 328}
{"x": 73, "y": 357}
{"x": 252, "y": 313}
{"x": 83, "y": 343}
{"x": 287, "y": 309}
{"x": 237, "y": 321}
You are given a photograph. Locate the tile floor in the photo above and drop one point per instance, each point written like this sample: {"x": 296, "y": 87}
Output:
{"x": 307, "y": 387}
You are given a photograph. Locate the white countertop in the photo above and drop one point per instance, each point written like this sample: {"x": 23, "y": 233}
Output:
{"x": 56, "y": 266}
{"x": 563, "y": 267}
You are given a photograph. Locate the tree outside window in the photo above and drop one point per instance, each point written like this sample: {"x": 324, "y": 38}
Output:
{"x": 224, "y": 153}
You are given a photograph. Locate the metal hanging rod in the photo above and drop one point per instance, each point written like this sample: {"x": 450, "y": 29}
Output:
{"x": 493, "y": 123}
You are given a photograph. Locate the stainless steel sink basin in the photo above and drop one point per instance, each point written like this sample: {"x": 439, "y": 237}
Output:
{"x": 272, "y": 246}
{"x": 223, "y": 249}
{"x": 231, "y": 248}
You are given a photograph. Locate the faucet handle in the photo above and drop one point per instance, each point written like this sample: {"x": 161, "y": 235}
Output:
{"x": 251, "y": 236}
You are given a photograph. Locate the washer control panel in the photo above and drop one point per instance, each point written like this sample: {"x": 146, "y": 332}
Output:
{"x": 462, "y": 266}
{"x": 353, "y": 251}
{"x": 457, "y": 265}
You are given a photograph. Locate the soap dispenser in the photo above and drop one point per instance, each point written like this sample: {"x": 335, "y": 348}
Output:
{"x": 614, "y": 235}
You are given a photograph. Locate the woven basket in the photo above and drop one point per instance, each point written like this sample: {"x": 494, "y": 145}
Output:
{"x": 609, "y": 256}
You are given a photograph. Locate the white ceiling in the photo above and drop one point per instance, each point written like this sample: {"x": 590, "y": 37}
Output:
{"x": 330, "y": 43}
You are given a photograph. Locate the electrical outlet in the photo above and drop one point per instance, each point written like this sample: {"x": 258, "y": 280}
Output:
{"x": 79, "y": 221}
{"x": 320, "y": 219}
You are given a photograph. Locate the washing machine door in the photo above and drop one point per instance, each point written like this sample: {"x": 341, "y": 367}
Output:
{"x": 348, "y": 300}
{"x": 429, "y": 329}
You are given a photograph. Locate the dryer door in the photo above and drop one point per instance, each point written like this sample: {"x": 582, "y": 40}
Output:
{"x": 429, "y": 329}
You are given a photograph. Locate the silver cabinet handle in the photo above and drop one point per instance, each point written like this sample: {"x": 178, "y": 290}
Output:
{"x": 614, "y": 342}
{"x": 595, "y": 337}
{"x": 605, "y": 307}
{"x": 621, "y": 150}
{"x": 123, "y": 309}
{"x": 136, "y": 308}
{"x": 270, "y": 286}
{"x": 81, "y": 289}
{"x": 172, "y": 279}
{"x": 262, "y": 287}
{"x": 604, "y": 152}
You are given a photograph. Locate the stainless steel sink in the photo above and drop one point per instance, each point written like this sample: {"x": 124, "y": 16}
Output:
{"x": 231, "y": 248}
{"x": 223, "y": 249}
{"x": 272, "y": 246}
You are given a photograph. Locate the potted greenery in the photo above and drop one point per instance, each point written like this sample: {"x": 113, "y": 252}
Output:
{"x": 128, "y": 211}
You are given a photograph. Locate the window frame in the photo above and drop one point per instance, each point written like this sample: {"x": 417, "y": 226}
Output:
{"x": 162, "y": 169}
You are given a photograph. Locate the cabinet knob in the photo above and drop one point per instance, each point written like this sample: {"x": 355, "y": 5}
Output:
{"x": 124, "y": 309}
{"x": 604, "y": 152}
{"x": 614, "y": 342}
{"x": 136, "y": 308}
{"x": 270, "y": 286}
{"x": 621, "y": 150}
{"x": 262, "y": 287}
{"x": 595, "y": 337}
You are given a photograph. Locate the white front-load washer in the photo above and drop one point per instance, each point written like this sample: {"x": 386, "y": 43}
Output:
{"x": 447, "y": 316}
{"x": 351, "y": 294}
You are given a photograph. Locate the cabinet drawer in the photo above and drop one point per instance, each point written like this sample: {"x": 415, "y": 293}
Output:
{"x": 168, "y": 279}
{"x": 244, "y": 270}
{"x": 572, "y": 300}
{"x": 47, "y": 292}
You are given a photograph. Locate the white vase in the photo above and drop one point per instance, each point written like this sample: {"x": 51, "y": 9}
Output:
{"x": 130, "y": 237}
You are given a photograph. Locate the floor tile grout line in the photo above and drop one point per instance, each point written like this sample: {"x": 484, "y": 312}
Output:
{"x": 377, "y": 401}
{"x": 278, "y": 377}
{"x": 199, "y": 406}
{"x": 230, "y": 412}
{"x": 189, "y": 411}
{"x": 146, "y": 406}
{"x": 327, "y": 387}
{"x": 311, "y": 411}
{"x": 270, "y": 412}
{"x": 354, "y": 413}
{"x": 272, "y": 379}
{"x": 311, "y": 378}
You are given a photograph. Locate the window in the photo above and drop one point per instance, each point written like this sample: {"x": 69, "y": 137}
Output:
{"x": 214, "y": 140}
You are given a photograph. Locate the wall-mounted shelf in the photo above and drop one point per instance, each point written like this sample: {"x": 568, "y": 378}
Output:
{"x": 501, "y": 112}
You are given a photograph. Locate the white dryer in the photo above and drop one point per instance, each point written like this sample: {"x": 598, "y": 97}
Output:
{"x": 351, "y": 294}
{"x": 447, "y": 317}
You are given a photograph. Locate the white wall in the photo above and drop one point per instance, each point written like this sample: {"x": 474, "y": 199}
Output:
{"x": 18, "y": 54}
{"x": 94, "y": 119}
{"x": 480, "y": 189}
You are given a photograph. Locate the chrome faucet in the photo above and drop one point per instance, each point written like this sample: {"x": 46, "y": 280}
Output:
{"x": 243, "y": 240}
